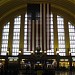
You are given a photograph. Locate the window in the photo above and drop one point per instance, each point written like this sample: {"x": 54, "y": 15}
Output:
{"x": 16, "y": 35}
{"x": 51, "y": 51}
{"x": 25, "y": 35}
{"x": 61, "y": 36}
{"x": 72, "y": 38}
{"x": 5, "y": 37}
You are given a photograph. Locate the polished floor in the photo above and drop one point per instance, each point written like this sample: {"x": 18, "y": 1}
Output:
{"x": 64, "y": 73}
{"x": 57, "y": 73}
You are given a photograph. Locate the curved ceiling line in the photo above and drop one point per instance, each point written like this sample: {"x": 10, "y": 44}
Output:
{"x": 13, "y": 10}
{"x": 72, "y": 1}
{"x": 24, "y": 5}
{"x": 3, "y": 2}
{"x": 61, "y": 8}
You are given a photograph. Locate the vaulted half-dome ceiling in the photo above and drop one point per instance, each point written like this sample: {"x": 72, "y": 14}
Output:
{"x": 9, "y": 6}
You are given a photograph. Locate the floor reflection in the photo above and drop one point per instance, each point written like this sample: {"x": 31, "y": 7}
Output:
{"x": 59, "y": 73}
{"x": 64, "y": 73}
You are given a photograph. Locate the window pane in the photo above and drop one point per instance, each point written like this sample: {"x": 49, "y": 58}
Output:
{"x": 5, "y": 37}
{"x": 25, "y": 35}
{"x": 51, "y": 32}
{"x": 61, "y": 36}
{"x": 16, "y": 35}
{"x": 72, "y": 38}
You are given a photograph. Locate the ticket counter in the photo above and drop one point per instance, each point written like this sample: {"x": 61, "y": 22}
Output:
{"x": 2, "y": 63}
{"x": 64, "y": 64}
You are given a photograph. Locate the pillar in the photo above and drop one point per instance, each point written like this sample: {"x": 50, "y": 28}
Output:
{"x": 55, "y": 33}
{"x": 67, "y": 40}
{"x": 21, "y": 44}
{"x": 10, "y": 40}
